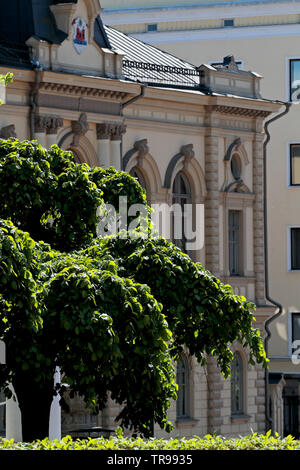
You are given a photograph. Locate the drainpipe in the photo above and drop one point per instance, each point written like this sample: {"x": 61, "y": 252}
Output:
{"x": 269, "y": 420}
{"x": 123, "y": 105}
{"x": 32, "y": 99}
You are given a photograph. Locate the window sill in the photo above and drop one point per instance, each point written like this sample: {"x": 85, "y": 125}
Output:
{"x": 185, "y": 422}
{"x": 239, "y": 419}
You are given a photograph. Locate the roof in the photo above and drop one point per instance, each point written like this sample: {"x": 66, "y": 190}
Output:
{"x": 146, "y": 63}
{"x": 17, "y": 24}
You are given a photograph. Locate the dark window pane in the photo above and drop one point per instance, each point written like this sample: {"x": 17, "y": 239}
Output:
{"x": 234, "y": 225}
{"x": 296, "y": 326}
{"x": 236, "y": 166}
{"x": 295, "y": 80}
{"x": 295, "y": 248}
{"x": 295, "y": 163}
{"x": 181, "y": 196}
{"x": 182, "y": 380}
{"x": 237, "y": 384}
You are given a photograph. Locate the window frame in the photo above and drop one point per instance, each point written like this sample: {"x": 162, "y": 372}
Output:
{"x": 155, "y": 25}
{"x": 241, "y": 243}
{"x": 288, "y": 78}
{"x": 231, "y": 25}
{"x": 291, "y": 313}
{"x": 289, "y": 165}
{"x": 289, "y": 248}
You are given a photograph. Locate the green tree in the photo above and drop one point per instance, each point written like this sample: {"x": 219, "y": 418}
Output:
{"x": 107, "y": 311}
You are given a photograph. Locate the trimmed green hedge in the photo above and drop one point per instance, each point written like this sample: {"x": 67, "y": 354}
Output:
{"x": 251, "y": 442}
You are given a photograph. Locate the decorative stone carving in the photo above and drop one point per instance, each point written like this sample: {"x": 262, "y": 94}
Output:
{"x": 40, "y": 123}
{"x": 235, "y": 145}
{"x": 141, "y": 146}
{"x": 110, "y": 131}
{"x": 117, "y": 131}
{"x": 49, "y": 124}
{"x": 79, "y": 128}
{"x": 188, "y": 152}
{"x": 230, "y": 64}
{"x": 8, "y": 131}
{"x": 103, "y": 131}
{"x": 53, "y": 125}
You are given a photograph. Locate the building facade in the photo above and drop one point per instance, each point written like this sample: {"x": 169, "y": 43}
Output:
{"x": 189, "y": 134}
{"x": 263, "y": 36}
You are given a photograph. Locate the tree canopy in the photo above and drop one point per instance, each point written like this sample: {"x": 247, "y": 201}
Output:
{"x": 107, "y": 311}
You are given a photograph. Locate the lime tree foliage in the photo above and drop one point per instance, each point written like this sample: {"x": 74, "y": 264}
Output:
{"x": 113, "y": 313}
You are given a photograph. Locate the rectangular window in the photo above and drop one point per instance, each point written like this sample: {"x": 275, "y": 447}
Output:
{"x": 294, "y": 79}
{"x": 228, "y": 23}
{"x": 295, "y": 248}
{"x": 295, "y": 326}
{"x": 295, "y": 333}
{"x": 235, "y": 242}
{"x": 151, "y": 27}
{"x": 294, "y": 164}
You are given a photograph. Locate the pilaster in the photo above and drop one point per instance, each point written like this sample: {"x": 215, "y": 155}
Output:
{"x": 212, "y": 204}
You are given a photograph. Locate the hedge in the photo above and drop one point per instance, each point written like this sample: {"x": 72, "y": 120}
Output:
{"x": 118, "y": 442}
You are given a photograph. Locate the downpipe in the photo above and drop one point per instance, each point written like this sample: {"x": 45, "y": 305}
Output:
{"x": 269, "y": 421}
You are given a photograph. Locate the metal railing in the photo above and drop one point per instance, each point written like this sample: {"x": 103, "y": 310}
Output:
{"x": 14, "y": 55}
{"x": 161, "y": 75}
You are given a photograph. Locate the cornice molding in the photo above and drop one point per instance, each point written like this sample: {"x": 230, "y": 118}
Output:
{"x": 222, "y": 109}
{"x": 74, "y": 90}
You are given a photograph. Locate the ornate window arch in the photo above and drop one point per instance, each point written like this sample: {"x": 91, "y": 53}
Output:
{"x": 83, "y": 149}
{"x": 183, "y": 382}
{"x": 137, "y": 173}
{"x": 237, "y": 385}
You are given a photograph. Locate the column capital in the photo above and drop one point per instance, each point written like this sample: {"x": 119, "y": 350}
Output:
{"x": 54, "y": 123}
{"x": 117, "y": 131}
{"x": 49, "y": 124}
{"x": 103, "y": 131}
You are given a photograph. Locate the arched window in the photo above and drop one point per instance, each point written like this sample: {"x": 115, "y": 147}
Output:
{"x": 181, "y": 196}
{"x": 136, "y": 173}
{"x": 237, "y": 388}
{"x": 183, "y": 382}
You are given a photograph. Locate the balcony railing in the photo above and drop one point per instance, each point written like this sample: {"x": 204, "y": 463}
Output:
{"x": 161, "y": 75}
